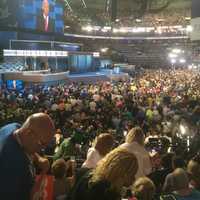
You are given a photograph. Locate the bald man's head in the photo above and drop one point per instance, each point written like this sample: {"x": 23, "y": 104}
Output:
{"x": 38, "y": 122}
{"x": 36, "y": 132}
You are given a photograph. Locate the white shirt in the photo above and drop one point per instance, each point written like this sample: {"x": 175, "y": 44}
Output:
{"x": 144, "y": 163}
{"x": 46, "y": 18}
{"x": 92, "y": 159}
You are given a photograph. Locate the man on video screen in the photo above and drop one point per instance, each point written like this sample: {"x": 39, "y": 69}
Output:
{"x": 44, "y": 21}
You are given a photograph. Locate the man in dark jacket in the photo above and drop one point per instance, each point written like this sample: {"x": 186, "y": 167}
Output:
{"x": 18, "y": 151}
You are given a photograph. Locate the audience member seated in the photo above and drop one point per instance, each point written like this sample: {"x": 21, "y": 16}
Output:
{"x": 19, "y": 147}
{"x": 115, "y": 170}
{"x": 161, "y": 170}
{"x": 69, "y": 147}
{"x": 143, "y": 189}
{"x": 169, "y": 185}
{"x": 101, "y": 146}
{"x": 181, "y": 182}
{"x": 61, "y": 183}
{"x": 135, "y": 144}
{"x": 193, "y": 169}
{"x": 58, "y": 139}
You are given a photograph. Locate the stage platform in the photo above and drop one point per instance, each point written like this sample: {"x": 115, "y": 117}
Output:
{"x": 41, "y": 77}
{"x": 102, "y": 75}
{"x": 37, "y": 77}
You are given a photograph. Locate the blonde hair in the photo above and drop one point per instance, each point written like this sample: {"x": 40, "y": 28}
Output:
{"x": 103, "y": 143}
{"x": 144, "y": 188}
{"x": 135, "y": 135}
{"x": 118, "y": 167}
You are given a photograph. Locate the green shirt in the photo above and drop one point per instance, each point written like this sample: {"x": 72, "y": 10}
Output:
{"x": 66, "y": 149}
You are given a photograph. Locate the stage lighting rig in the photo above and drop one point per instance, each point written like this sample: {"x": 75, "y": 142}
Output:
{"x": 152, "y": 6}
{"x": 68, "y": 5}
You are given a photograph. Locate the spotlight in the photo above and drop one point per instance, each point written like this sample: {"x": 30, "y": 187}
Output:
{"x": 182, "y": 60}
{"x": 176, "y": 51}
{"x": 104, "y": 50}
{"x": 172, "y": 55}
{"x": 173, "y": 61}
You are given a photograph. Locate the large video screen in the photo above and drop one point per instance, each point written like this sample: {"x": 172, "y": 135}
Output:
{"x": 41, "y": 15}
{"x": 15, "y": 85}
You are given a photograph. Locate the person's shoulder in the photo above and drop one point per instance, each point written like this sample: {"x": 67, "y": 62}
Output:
{"x": 143, "y": 150}
{"x": 195, "y": 193}
{"x": 92, "y": 150}
{"x": 12, "y": 154}
{"x": 9, "y": 128}
{"x": 125, "y": 145}
{"x": 66, "y": 141}
{"x": 6, "y": 131}
{"x": 169, "y": 176}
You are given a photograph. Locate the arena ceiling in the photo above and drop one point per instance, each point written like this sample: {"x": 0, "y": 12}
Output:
{"x": 97, "y": 11}
{"x": 127, "y": 6}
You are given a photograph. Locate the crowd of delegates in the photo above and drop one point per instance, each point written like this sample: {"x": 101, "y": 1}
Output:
{"x": 149, "y": 121}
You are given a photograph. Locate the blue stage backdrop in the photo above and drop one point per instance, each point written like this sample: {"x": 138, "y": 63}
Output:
{"x": 28, "y": 14}
{"x": 80, "y": 63}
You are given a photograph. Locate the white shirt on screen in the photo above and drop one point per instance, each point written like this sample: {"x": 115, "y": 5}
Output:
{"x": 46, "y": 19}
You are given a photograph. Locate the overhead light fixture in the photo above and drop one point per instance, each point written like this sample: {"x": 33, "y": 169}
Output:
{"x": 138, "y": 20}
{"x": 87, "y": 28}
{"x": 104, "y": 50}
{"x": 182, "y": 60}
{"x": 187, "y": 18}
{"x": 104, "y": 30}
{"x": 96, "y": 54}
{"x": 176, "y": 51}
{"x": 123, "y": 30}
{"x": 172, "y": 55}
{"x": 173, "y": 61}
{"x": 189, "y": 28}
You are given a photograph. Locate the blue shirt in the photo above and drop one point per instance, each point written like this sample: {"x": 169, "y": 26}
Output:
{"x": 194, "y": 195}
{"x": 5, "y": 131}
